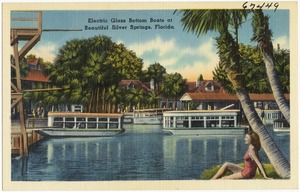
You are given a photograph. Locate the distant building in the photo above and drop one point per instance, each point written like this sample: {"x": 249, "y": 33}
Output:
{"x": 137, "y": 84}
{"x": 35, "y": 75}
{"x": 205, "y": 86}
{"x": 212, "y": 101}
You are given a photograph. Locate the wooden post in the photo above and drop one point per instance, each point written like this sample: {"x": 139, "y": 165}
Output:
{"x": 20, "y": 103}
{"x": 21, "y": 145}
{"x": 39, "y": 22}
{"x": 34, "y": 137}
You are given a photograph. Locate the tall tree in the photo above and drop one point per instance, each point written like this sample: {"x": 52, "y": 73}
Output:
{"x": 254, "y": 70}
{"x": 202, "y": 21}
{"x": 200, "y": 78}
{"x": 174, "y": 86}
{"x": 156, "y": 71}
{"x": 89, "y": 69}
{"x": 153, "y": 99}
{"x": 262, "y": 34}
{"x": 282, "y": 65}
{"x": 135, "y": 97}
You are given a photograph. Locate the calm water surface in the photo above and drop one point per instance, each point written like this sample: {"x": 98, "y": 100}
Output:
{"x": 141, "y": 153}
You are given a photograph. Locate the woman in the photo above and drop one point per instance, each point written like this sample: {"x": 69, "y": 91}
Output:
{"x": 251, "y": 161}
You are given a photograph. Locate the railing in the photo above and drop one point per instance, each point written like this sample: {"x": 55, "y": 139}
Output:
{"x": 26, "y": 20}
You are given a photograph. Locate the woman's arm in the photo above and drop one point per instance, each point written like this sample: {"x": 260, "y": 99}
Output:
{"x": 258, "y": 163}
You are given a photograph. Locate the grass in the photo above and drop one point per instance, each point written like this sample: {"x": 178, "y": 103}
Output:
{"x": 209, "y": 173}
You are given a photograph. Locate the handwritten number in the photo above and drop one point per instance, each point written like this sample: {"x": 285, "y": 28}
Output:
{"x": 276, "y": 6}
{"x": 245, "y": 5}
{"x": 252, "y": 6}
{"x": 260, "y": 6}
{"x": 269, "y": 5}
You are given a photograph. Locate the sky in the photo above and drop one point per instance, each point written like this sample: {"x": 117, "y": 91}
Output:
{"x": 175, "y": 49}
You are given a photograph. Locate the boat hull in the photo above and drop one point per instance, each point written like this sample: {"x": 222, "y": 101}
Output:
{"x": 207, "y": 131}
{"x": 285, "y": 129}
{"x": 80, "y": 133}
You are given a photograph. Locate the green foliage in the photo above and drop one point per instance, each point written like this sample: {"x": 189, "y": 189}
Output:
{"x": 282, "y": 66}
{"x": 135, "y": 97}
{"x": 270, "y": 171}
{"x": 174, "y": 86}
{"x": 91, "y": 68}
{"x": 200, "y": 78}
{"x": 201, "y": 21}
{"x": 24, "y": 70}
{"x": 153, "y": 99}
{"x": 156, "y": 72}
{"x": 254, "y": 71}
{"x": 261, "y": 32}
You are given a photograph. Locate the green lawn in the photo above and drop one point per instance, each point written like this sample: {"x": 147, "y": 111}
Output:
{"x": 209, "y": 173}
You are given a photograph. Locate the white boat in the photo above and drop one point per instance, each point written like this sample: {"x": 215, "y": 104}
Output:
{"x": 203, "y": 122}
{"x": 74, "y": 124}
{"x": 269, "y": 116}
{"x": 281, "y": 125}
{"x": 149, "y": 116}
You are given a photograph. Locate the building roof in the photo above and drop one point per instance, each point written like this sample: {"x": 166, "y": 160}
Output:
{"x": 227, "y": 97}
{"x": 217, "y": 87}
{"x": 191, "y": 87}
{"x": 36, "y": 75}
{"x": 203, "y": 87}
{"x": 135, "y": 83}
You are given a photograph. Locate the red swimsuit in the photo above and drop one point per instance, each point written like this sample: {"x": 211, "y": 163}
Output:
{"x": 250, "y": 167}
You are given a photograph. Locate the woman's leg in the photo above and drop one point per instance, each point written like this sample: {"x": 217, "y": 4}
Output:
{"x": 230, "y": 166}
{"x": 237, "y": 175}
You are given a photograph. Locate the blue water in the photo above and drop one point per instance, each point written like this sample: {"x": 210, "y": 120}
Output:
{"x": 141, "y": 153}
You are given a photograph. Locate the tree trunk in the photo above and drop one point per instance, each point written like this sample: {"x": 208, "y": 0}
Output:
{"x": 280, "y": 163}
{"x": 91, "y": 101}
{"x": 97, "y": 99}
{"x": 276, "y": 87}
{"x": 116, "y": 107}
{"x": 103, "y": 100}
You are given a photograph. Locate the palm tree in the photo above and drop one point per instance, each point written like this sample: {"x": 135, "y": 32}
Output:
{"x": 262, "y": 35}
{"x": 153, "y": 99}
{"x": 135, "y": 97}
{"x": 174, "y": 86}
{"x": 156, "y": 71}
{"x": 202, "y": 21}
{"x": 113, "y": 97}
{"x": 282, "y": 59}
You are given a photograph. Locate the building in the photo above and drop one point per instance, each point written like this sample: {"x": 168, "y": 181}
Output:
{"x": 34, "y": 77}
{"x": 137, "y": 84}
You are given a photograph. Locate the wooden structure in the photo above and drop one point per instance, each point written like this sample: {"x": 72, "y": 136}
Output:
{"x": 32, "y": 36}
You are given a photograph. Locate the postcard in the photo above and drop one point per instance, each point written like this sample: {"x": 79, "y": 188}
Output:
{"x": 161, "y": 96}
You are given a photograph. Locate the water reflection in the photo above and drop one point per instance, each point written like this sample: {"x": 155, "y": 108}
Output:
{"x": 49, "y": 152}
{"x": 141, "y": 153}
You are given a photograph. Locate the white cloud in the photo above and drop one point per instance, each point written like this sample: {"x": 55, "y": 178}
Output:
{"x": 168, "y": 61}
{"x": 189, "y": 61}
{"x": 47, "y": 51}
{"x": 156, "y": 44}
{"x": 206, "y": 49}
{"x": 283, "y": 42}
{"x": 192, "y": 72}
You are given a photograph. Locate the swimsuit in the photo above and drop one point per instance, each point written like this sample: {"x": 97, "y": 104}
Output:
{"x": 250, "y": 167}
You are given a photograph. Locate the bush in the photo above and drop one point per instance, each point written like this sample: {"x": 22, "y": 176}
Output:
{"x": 209, "y": 173}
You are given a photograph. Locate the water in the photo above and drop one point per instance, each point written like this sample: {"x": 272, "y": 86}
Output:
{"x": 141, "y": 153}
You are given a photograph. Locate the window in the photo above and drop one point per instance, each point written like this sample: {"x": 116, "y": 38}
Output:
{"x": 209, "y": 87}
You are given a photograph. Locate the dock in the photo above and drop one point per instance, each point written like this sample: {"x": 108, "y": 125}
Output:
{"x": 33, "y": 137}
